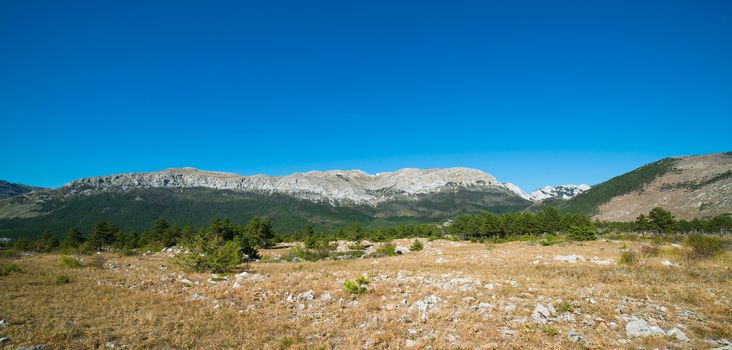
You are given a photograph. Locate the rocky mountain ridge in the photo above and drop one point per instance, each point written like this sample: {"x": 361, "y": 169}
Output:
{"x": 334, "y": 186}
{"x": 561, "y": 191}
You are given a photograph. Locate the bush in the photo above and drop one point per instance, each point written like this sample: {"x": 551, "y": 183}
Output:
{"x": 703, "y": 247}
{"x": 210, "y": 256}
{"x": 628, "y": 257}
{"x": 386, "y": 249}
{"x": 311, "y": 242}
{"x": 357, "y": 246}
{"x": 582, "y": 233}
{"x": 416, "y": 246}
{"x": 550, "y": 240}
{"x": 97, "y": 260}
{"x": 304, "y": 254}
{"x": 564, "y": 307}
{"x": 648, "y": 250}
{"x": 8, "y": 269}
{"x": 549, "y": 330}
{"x": 63, "y": 279}
{"x": 357, "y": 286}
{"x": 68, "y": 262}
{"x": 87, "y": 248}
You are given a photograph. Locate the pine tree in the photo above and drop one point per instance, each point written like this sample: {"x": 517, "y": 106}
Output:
{"x": 661, "y": 219}
{"x": 103, "y": 234}
{"x": 72, "y": 239}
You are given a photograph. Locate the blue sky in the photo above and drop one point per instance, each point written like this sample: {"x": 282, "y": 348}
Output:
{"x": 533, "y": 92}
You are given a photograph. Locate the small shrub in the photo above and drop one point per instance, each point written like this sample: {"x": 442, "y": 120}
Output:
{"x": 97, "y": 260}
{"x": 564, "y": 307}
{"x": 303, "y": 254}
{"x": 63, "y": 279}
{"x": 629, "y": 258}
{"x": 704, "y": 247}
{"x": 357, "y": 286}
{"x": 386, "y": 249}
{"x": 8, "y": 269}
{"x": 68, "y": 262}
{"x": 217, "y": 259}
{"x": 416, "y": 246}
{"x": 549, "y": 330}
{"x": 549, "y": 240}
{"x": 154, "y": 246}
{"x": 582, "y": 233}
{"x": 311, "y": 242}
{"x": 290, "y": 341}
{"x": 648, "y": 250}
{"x": 357, "y": 246}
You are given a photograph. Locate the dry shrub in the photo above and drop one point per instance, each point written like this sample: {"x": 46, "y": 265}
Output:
{"x": 704, "y": 247}
{"x": 649, "y": 250}
{"x": 629, "y": 257}
{"x": 97, "y": 260}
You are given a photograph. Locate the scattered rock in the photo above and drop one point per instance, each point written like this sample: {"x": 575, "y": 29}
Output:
{"x": 33, "y": 347}
{"x": 440, "y": 261}
{"x": 578, "y": 337}
{"x": 3, "y": 324}
{"x": 572, "y": 258}
{"x": 677, "y": 334}
{"x": 641, "y": 328}
{"x": 426, "y": 305}
{"x": 309, "y": 295}
{"x": 598, "y": 261}
{"x": 4, "y": 340}
{"x": 326, "y": 297}
{"x": 402, "y": 250}
{"x": 541, "y": 314}
{"x": 667, "y": 263}
{"x": 411, "y": 343}
{"x": 196, "y": 296}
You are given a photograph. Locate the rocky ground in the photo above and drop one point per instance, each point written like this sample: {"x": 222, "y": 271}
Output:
{"x": 450, "y": 295}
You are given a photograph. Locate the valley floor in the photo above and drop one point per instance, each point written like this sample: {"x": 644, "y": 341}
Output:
{"x": 450, "y": 295}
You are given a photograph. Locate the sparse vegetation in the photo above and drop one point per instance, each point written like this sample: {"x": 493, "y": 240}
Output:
{"x": 69, "y": 262}
{"x": 704, "y": 247}
{"x": 357, "y": 286}
{"x": 385, "y": 249}
{"x": 416, "y": 245}
{"x": 650, "y": 250}
{"x": 629, "y": 257}
{"x": 563, "y": 307}
{"x": 9, "y": 268}
{"x": 175, "y": 293}
{"x": 63, "y": 279}
{"x": 549, "y": 330}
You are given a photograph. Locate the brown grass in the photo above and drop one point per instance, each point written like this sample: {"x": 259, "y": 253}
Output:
{"x": 140, "y": 301}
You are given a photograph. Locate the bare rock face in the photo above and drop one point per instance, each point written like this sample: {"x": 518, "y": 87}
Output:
{"x": 335, "y": 186}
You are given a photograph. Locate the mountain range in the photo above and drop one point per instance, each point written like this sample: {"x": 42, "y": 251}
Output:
{"x": 694, "y": 186}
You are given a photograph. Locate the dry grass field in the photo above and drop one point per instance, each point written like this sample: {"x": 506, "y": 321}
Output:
{"x": 450, "y": 295}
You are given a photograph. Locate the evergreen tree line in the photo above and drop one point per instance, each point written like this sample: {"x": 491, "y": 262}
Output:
{"x": 258, "y": 232}
{"x": 659, "y": 220}
{"x": 105, "y": 235}
{"x": 488, "y": 225}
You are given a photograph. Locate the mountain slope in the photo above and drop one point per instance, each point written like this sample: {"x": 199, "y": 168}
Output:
{"x": 324, "y": 199}
{"x": 9, "y": 189}
{"x": 690, "y": 187}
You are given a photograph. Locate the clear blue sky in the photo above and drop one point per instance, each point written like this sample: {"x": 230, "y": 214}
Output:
{"x": 533, "y": 92}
